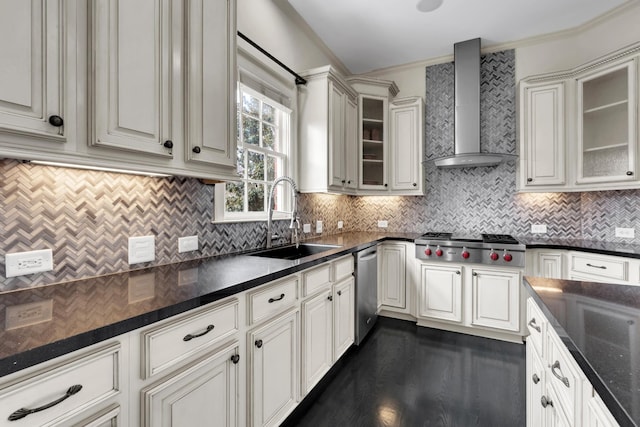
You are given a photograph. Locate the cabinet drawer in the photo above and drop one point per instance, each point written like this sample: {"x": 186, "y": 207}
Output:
{"x": 165, "y": 346}
{"x": 83, "y": 382}
{"x": 564, "y": 376}
{"x": 537, "y": 326}
{"x": 272, "y": 299}
{"x": 342, "y": 268}
{"x": 316, "y": 279}
{"x": 607, "y": 267}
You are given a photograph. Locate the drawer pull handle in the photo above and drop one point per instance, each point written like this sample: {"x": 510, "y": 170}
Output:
{"x": 23, "y": 412}
{"x": 276, "y": 299}
{"x": 602, "y": 267}
{"x": 545, "y": 401}
{"x": 189, "y": 337}
{"x": 532, "y": 323}
{"x": 258, "y": 343}
{"x": 559, "y": 376}
{"x": 235, "y": 359}
{"x": 535, "y": 378}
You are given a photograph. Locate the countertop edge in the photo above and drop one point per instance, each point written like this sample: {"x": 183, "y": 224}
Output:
{"x": 616, "y": 409}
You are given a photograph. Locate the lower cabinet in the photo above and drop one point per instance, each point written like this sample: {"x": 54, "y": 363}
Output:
{"x": 317, "y": 341}
{"x": 204, "y": 393}
{"x": 470, "y": 299}
{"x": 273, "y": 370}
{"x": 392, "y": 275}
{"x": 343, "y": 316}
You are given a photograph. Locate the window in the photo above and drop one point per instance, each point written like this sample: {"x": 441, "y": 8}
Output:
{"x": 262, "y": 156}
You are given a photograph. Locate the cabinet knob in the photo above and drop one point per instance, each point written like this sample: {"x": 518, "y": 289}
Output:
{"x": 344, "y": 180}
{"x": 258, "y": 343}
{"x": 415, "y": 184}
{"x": 386, "y": 185}
{"x": 339, "y": 293}
{"x": 168, "y": 144}
{"x": 349, "y": 182}
{"x": 196, "y": 149}
{"x": 544, "y": 401}
{"x": 235, "y": 359}
{"x": 535, "y": 378}
{"x": 330, "y": 298}
{"x": 458, "y": 272}
{"x": 56, "y": 121}
{"x": 629, "y": 173}
{"x": 529, "y": 179}
{"x": 474, "y": 273}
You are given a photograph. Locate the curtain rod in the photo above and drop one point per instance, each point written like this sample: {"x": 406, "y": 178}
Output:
{"x": 299, "y": 80}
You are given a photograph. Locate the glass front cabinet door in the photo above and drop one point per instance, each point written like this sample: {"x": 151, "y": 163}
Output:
{"x": 607, "y": 124}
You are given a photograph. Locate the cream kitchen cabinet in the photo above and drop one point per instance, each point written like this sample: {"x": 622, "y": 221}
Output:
{"x": 392, "y": 276}
{"x": 66, "y": 390}
{"x": 273, "y": 370}
{"x": 542, "y": 121}
{"x": 343, "y": 316}
{"x": 406, "y": 145}
{"x": 203, "y": 393}
{"x": 596, "y": 414}
{"x": 327, "y": 114}
{"x": 37, "y": 109}
{"x": 579, "y": 127}
{"x": 470, "y": 299}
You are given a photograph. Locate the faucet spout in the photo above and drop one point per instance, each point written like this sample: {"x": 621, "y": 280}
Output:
{"x": 295, "y": 220}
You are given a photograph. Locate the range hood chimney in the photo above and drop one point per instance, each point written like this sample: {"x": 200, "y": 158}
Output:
{"x": 467, "y": 111}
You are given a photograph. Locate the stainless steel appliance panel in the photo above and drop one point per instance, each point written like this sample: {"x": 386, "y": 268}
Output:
{"x": 366, "y": 269}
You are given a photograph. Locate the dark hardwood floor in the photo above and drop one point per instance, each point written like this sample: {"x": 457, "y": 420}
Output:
{"x": 404, "y": 375}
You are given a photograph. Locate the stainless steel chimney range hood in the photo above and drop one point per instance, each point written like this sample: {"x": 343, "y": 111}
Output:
{"x": 467, "y": 112}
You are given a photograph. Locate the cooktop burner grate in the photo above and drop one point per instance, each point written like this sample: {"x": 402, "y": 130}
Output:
{"x": 499, "y": 238}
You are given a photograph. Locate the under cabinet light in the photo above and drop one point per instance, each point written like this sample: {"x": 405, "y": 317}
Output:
{"x": 98, "y": 168}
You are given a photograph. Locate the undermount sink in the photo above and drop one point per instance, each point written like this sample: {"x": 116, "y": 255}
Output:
{"x": 291, "y": 252}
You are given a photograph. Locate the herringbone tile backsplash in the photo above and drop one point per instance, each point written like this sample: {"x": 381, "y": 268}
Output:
{"x": 85, "y": 217}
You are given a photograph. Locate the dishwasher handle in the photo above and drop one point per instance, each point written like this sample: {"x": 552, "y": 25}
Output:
{"x": 368, "y": 255}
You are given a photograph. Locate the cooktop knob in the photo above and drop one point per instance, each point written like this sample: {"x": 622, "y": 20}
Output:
{"x": 494, "y": 256}
{"x": 507, "y": 256}
{"x": 465, "y": 253}
{"x": 427, "y": 251}
{"x": 439, "y": 251}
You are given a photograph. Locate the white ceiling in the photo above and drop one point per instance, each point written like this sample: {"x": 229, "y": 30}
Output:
{"x": 371, "y": 34}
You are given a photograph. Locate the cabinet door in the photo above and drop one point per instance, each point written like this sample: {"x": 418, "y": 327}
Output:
{"x": 204, "y": 393}
{"x": 440, "y": 293}
{"x": 607, "y": 123}
{"x": 549, "y": 265}
{"x": 132, "y": 75}
{"x": 32, "y": 75}
{"x": 343, "y": 317}
{"x": 495, "y": 299}
{"x": 535, "y": 387}
{"x": 211, "y": 70}
{"x": 351, "y": 144}
{"x": 553, "y": 415}
{"x": 273, "y": 370}
{"x": 543, "y": 134}
{"x": 317, "y": 339}
{"x": 406, "y": 145}
{"x": 336, "y": 136}
{"x": 595, "y": 412}
{"x": 393, "y": 275}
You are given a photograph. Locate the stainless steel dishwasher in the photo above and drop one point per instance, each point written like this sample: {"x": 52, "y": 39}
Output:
{"x": 366, "y": 271}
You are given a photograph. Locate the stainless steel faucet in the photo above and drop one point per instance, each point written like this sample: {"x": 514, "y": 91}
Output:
{"x": 294, "y": 226}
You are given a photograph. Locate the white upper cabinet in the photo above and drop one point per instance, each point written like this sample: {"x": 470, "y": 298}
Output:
{"x": 542, "y": 134}
{"x": 327, "y": 133}
{"x": 607, "y": 122}
{"x": 211, "y": 96}
{"x": 132, "y": 76}
{"x": 34, "y": 71}
{"x": 406, "y": 142}
{"x": 578, "y": 128}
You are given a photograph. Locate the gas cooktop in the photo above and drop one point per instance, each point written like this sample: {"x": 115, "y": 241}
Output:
{"x": 459, "y": 237}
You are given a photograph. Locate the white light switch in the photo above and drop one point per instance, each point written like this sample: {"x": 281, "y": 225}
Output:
{"x": 187, "y": 244}
{"x": 539, "y": 228}
{"x": 383, "y": 223}
{"x": 142, "y": 249}
{"x": 628, "y": 233}
{"x": 340, "y": 225}
{"x": 318, "y": 227}
{"x": 306, "y": 228}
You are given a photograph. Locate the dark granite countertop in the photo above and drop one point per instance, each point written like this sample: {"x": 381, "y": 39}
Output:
{"x": 600, "y": 325}
{"x": 48, "y": 321}
{"x": 598, "y": 247}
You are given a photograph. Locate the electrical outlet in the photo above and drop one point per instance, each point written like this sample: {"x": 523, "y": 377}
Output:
{"x": 318, "y": 227}
{"x": 22, "y": 263}
{"x": 539, "y": 228}
{"x": 306, "y": 228}
{"x": 628, "y": 233}
{"x": 142, "y": 249}
{"x": 340, "y": 225}
{"x": 187, "y": 244}
{"x": 383, "y": 223}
